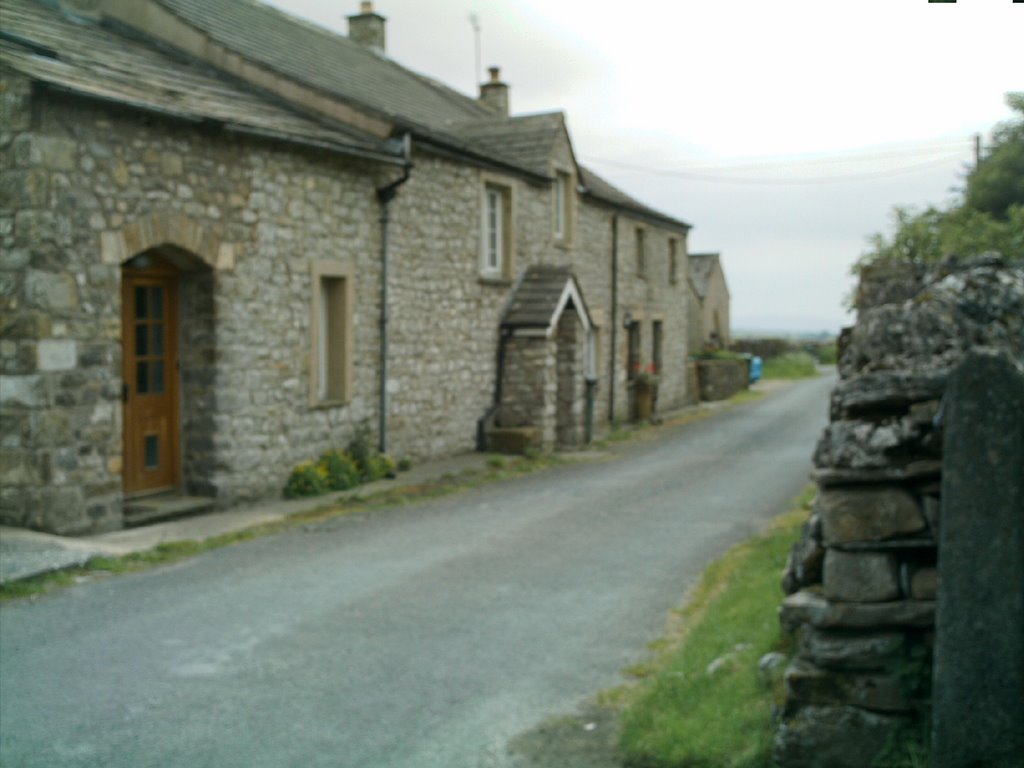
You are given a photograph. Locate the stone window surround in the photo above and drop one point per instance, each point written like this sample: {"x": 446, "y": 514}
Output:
{"x": 331, "y": 270}
{"x": 563, "y": 201}
{"x": 506, "y": 187}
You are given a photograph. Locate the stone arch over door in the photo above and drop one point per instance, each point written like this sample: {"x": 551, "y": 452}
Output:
{"x": 166, "y": 229}
{"x": 178, "y": 260}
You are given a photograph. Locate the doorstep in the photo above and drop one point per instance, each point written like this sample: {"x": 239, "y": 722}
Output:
{"x": 153, "y": 508}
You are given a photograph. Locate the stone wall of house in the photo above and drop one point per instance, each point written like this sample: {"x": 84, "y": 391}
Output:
{"x": 87, "y": 187}
{"x": 84, "y": 187}
{"x": 648, "y": 297}
{"x": 569, "y": 392}
{"x": 863, "y": 579}
{"x": 530, "y": 386}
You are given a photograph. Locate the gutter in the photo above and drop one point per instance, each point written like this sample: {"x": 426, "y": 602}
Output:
{"x": 385, "y": 195}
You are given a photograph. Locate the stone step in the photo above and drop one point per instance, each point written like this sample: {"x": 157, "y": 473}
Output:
{"x": 163, "y": 507}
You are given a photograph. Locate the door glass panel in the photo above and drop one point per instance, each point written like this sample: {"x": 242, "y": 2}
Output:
{"x": 158, "y": 340}
{"x": 141, "y": 340}
{"x": 142, "y": 378}
{"x": 152, "y": 451}
{"x": 156, "y": 382}
{"x": 157, "y": 306}
{"x": 141, "y": 305}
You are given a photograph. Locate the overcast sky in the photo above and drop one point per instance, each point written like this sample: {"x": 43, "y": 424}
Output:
{"x": 784, "y": 131}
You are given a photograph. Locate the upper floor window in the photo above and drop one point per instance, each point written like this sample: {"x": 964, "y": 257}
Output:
{"x": 673, "y": 261}
{"x": 562, "y": 200}
{"x": 496, "y": 231}
{"x": 641, "y": 252}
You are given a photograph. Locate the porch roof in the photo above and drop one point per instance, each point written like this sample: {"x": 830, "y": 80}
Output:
{"x": 541, "y": 296}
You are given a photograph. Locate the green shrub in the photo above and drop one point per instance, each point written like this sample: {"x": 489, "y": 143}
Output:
{"x": 379, "y": 465}
{"x": 342, "y": 472}
{"x": 795, "y": 365}
{"x": 404, "y": 465}
{"x": 361, "y": 449}
{"x": 828, "y": 352}
{"x": 308, "y": 479}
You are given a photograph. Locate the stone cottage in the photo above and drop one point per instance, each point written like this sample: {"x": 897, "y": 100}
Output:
{"x": 229, "y": 238}
{"x": 709, "y": 302}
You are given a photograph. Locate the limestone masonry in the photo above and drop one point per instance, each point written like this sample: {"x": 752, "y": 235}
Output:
{"x": 193, "y": 277}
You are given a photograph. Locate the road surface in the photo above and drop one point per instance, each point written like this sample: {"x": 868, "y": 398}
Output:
{"x": 425, "y": 636}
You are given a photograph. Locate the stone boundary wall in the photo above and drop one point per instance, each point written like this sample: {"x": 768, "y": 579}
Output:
{"x": 721, "y": 379}
{"x": 863, "y": 579}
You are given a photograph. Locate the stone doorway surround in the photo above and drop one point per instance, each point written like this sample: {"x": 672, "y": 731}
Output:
{"x": 195, "y": 254}
{"x": 545, "y": 354}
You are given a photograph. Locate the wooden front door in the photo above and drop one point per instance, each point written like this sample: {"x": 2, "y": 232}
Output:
{"x": 150, "y": 336}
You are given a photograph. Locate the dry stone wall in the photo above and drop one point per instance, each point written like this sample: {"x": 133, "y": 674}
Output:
{"x": 864, "y": 577}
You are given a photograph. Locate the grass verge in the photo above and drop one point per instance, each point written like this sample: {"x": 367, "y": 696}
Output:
{"x": 701, "y": 700}
{"x": 793, "y": 365}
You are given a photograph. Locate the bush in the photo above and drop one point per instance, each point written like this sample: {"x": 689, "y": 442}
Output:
{"x": 765, "y": 348}
{"x": 379, "y": 465}
{"x": 342, "y": 472}
{"x": 309, "y": 479}
{"x": 360, "y": 448}
{"x": 795, "y": 365}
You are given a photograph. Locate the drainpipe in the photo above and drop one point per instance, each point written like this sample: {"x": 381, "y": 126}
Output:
{"x": 485, "y": 421}
{"x": 385, "y": 195}
{"x": 615, "y": 318}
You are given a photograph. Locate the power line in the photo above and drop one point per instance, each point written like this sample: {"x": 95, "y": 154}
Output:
{"x": 835, "y": 178}
{"x": 950, "y": 151}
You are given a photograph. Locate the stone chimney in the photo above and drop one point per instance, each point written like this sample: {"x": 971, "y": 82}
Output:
{"x": 367, "y": 28}
{"x": 495, "y": 93}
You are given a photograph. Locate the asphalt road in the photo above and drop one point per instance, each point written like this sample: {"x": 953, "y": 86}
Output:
{"x": 424, "y": 636}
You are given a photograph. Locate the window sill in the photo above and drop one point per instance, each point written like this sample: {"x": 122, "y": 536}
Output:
{"x": 317, "y": 405}
{"x": 496, "y": 280}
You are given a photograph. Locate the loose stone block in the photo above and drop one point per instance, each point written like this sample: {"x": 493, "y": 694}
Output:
{"x": 867, "y": 514}
{"x": 810, "y": 684}
{"x": 837, "y": 737}
{"x": 860, "y": 577}
{"x": 979, "y": 652}
{"x": 51, "y": 291}
{"x": 806, "y": 607}
{"x": 854, "y": 651}
{"x": 22, "y": 391}
{"x": 57, "y": 354}
{"x": 924, "y": 584}
{"x": 805, "y": 558}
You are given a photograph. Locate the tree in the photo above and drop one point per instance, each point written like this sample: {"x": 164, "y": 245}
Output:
{"x": 989, "y": 218}
{"x": 998, "y": 181}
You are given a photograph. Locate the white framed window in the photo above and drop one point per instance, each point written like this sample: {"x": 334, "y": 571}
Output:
{"x": 641, "y": 252}
{"x": 496, "y": 231}
{"x": 673, "y": 261}
{"x": 331, "y": 336}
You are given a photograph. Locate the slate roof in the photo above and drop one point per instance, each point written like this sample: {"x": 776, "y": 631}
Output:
{"x": 315, "y": 56}
{"x": 318, "y": 57}
{"x": 537, "y": 296}
{"x": 91, "y": 61}
{"x": 605, "y": 191}
{"x": 701, "y": 267}
{"x": 527, "y": 140}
